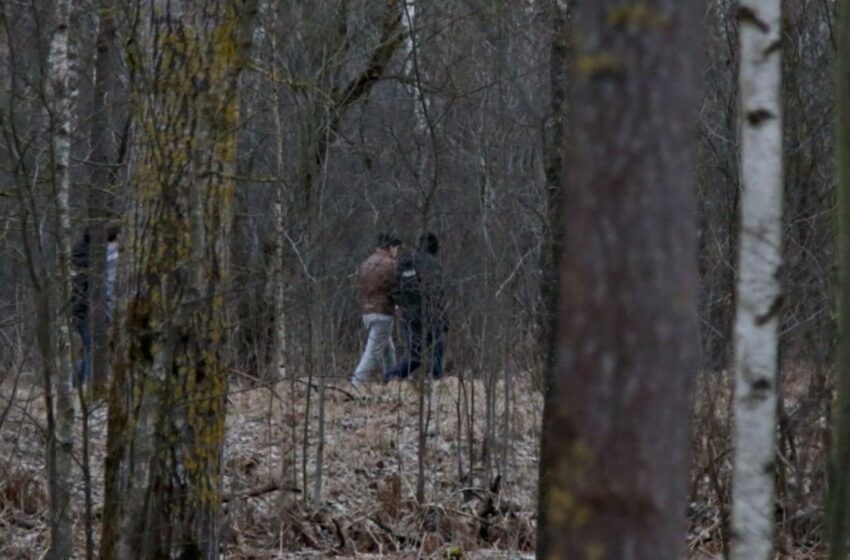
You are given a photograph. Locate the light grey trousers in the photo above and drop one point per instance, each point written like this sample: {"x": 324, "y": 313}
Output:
{"x": 380, "y": 351}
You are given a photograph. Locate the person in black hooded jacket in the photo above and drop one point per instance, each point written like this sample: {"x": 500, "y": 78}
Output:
{"x": 420, "y": 295}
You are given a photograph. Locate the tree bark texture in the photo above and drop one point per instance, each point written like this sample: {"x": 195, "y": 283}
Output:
{"x": 553, "y": 151}
{"x": 758, "y": 289}
{"x": 615, "y": 434}
{"x": 550, "y": 256}
{"x": 102, "y": 175}
{"x": 60, "y": 97}
{"x": 839, "y": 471}
{"x": 168, "y": 397}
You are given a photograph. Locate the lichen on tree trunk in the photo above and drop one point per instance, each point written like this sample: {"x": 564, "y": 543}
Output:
{"x": 168, "y": 402}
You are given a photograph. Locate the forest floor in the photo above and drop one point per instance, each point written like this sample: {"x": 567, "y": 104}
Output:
{"x": 367, "y": 507}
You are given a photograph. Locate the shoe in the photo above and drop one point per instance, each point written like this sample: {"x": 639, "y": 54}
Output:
{"x": 359, "y": 388}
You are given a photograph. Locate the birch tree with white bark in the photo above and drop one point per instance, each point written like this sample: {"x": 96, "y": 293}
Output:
{"x": 758, "y": 289}
{"x": 60, "y": 97}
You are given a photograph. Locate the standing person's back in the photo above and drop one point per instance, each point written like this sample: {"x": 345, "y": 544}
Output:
{"x": 420, "y": 294}
{"x": 376, "y": 280}
{"x": 419, "y": 289}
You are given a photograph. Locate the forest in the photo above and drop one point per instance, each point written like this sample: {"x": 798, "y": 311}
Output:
{"x": 455, "y": 279}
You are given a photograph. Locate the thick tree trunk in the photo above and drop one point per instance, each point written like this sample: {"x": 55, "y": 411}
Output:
{"x": 839, "y": 472}
{"x": 758, "y": 290}
{"x": 165, "y": 450}
{"x": 615, "y": 434}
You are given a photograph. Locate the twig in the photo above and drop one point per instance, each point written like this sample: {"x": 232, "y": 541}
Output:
{"x": 350, "y": 396}
{"x": 259, "y": 491}
{"x": 401, "y": 538}
{"x": 299, "y": 527}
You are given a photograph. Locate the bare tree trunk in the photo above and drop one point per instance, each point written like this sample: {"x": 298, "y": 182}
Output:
{"x": 553, "y": 151}
{"x": 103, "y": 178}
{"x": 309, "y": 355}
{"x": 411, "y": 70}
{"x": 422, "y": 439}
{"x": 283, "y": 352}
{"x": 507, "y": 415}
{"x": 280, "y": 231}
{"x": 424, "y": 125}
{"x": 471, "y": 414}
{"x": 459, "y": 398}
{"x": 839, "y": 468}
{"x": 315, "y": 349}
{"x": 615, "y": 434}
{"x": 60, "y": 96}
{"x": 758, "y": 291}
{"x": 164, "y": 451}
{"x": 489, "y": 440}
{"x": 86, "y": 471}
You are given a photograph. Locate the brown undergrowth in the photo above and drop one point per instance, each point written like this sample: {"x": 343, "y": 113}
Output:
{"x": 802, "y": 443}
{"x": 367, "y": 508}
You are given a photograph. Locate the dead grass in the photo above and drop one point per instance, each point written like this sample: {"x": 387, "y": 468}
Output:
{"x": 370, "y": 456}
{"x": 802, "y": 437}
{"x": 370, "y": 476}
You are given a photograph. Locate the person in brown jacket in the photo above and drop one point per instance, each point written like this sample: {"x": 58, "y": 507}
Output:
{"x": 376, "y": 278}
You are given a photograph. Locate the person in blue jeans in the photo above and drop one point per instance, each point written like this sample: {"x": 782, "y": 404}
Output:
{"x": 376, "y": 278}
{"x": 420, "y": 295}
{"x": 80, "y": 261}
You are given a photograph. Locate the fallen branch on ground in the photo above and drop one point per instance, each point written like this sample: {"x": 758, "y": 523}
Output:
{"x": 260, "y": 491}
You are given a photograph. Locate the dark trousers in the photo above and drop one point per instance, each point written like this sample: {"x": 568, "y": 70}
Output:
{"x": 83, "y": 367}
{"x": 434, "y": 342}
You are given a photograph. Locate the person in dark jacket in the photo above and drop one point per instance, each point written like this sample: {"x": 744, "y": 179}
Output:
{"x": 80, "y": 263}
{"x": 420, "y": 295}
{"x": 376, "y": 278}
